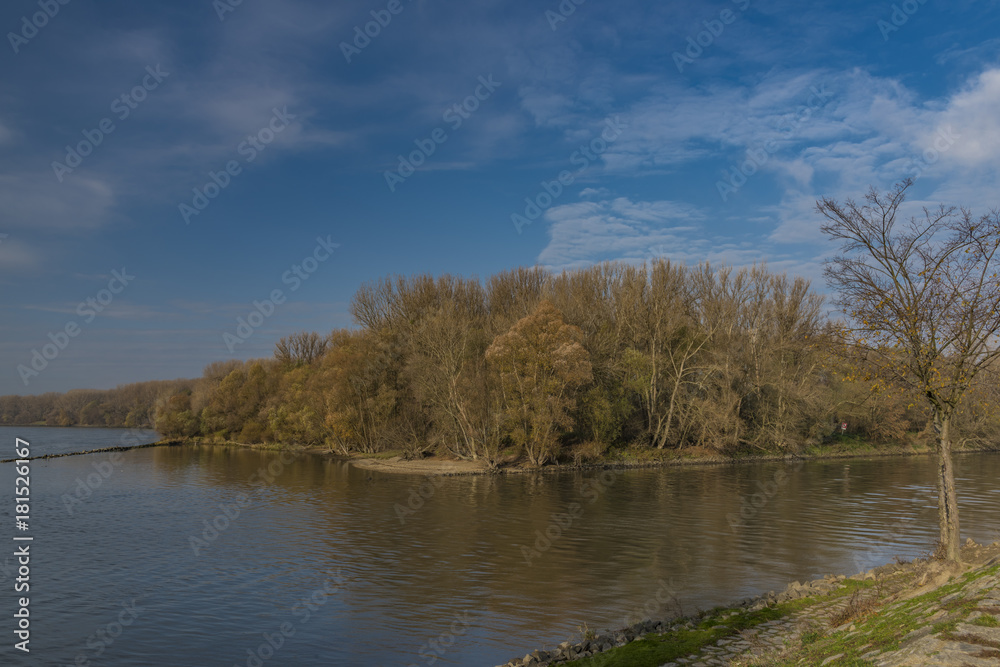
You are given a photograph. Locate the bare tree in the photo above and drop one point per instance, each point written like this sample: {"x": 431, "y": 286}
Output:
{"x": 666, "y": 341}
{"x": 922, "y": 301}
{"x": 301, "y": 348}
{"x": 438, "y": 370}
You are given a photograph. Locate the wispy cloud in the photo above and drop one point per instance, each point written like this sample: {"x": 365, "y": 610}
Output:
{"x": 35, "y": 200}
{"x": 587, "y": 232}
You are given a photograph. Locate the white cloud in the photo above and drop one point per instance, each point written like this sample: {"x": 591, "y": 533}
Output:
{"x": 594, "y": 193}
{"x": 973, "y": 113}
{"x": 15, "y": 256}
{"x": 39, "y": 201}
{"x": 588, "y": 232}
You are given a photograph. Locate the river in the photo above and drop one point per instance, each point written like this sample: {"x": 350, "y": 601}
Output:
{"x": 220, "y": 556}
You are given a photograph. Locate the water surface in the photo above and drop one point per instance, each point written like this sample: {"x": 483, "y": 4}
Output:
{"x": 377, "y": 588}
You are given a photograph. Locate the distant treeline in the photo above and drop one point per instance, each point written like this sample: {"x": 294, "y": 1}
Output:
{"x": 548, "y": 367}
{"x": 129, "y": 405}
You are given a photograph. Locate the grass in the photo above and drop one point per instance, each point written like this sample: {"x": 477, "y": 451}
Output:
{"x": 855, "y": 445}
{"x": 654, "y": 650}
{"x": 711, "y": 626}
{"x": 811, "y": 636}
{"x": 987, "y": 621}
{"x": 884, "y": 630}
{"x": 858, "y": 606}
{"x": 877, "y": 626}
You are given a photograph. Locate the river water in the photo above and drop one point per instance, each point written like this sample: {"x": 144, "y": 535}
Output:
{"x": 197, "y": 555}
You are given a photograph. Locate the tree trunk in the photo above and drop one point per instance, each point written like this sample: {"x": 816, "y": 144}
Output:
{"x": 947, "y": 500}
{"x": 670, "y": 412}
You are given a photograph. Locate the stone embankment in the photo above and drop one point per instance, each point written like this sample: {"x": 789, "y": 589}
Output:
{"x": 903, "y": 614}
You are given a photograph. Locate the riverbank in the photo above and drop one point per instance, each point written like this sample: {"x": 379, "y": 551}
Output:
{"x": 394, "y": 462}
{"x": 920, "y": 613}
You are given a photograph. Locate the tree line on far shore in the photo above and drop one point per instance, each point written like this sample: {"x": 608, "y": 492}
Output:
{"x": 129, "y": 405}
{"x": 540, "y": 366}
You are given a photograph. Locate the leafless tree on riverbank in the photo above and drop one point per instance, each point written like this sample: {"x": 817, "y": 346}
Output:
{"x": 922, "y": 301}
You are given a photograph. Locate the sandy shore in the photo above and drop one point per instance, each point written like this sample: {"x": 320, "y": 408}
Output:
{"x": 429, "y": 466}
{"x": 435, "y": 465}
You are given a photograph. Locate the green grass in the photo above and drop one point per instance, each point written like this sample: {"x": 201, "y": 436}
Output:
{"x": 656, "y": 649}
{"x": 853, "y": 444}
{"x": 987, "y": 621}
{"x": 879, "y": 630}
{"x": 885, "y": 628}
{"x": 811, "y": 636}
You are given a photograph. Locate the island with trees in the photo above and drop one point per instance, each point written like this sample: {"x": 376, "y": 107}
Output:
{"x": 626, "y": 364}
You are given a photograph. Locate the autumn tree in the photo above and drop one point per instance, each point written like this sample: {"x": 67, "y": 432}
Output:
{"x": 174, "y": 417}
{"x": 439, "y": 371}
{"x": 587, "y": 300}
{"x": 236, "y": 407}
{"x": 296, "y": 412}
{"x": 359, "y": 398}
{"x": 922, "y": 302}
{"x": 759, "y": 378}
{"x": 541, "y": 364}
{"x": 514, "y": 294}
{"x": 660, "y": 321}
{"x": 677, "y": 355}
{"x": 300, "y": 348}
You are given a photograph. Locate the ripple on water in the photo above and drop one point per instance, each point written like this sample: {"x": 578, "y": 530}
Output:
{"x": 461, "y": 552}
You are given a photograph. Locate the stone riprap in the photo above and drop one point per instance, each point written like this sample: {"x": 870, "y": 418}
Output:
{"x": 902, "y": 614}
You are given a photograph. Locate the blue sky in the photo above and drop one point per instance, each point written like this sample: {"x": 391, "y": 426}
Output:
{"x": 648, "y": 111}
